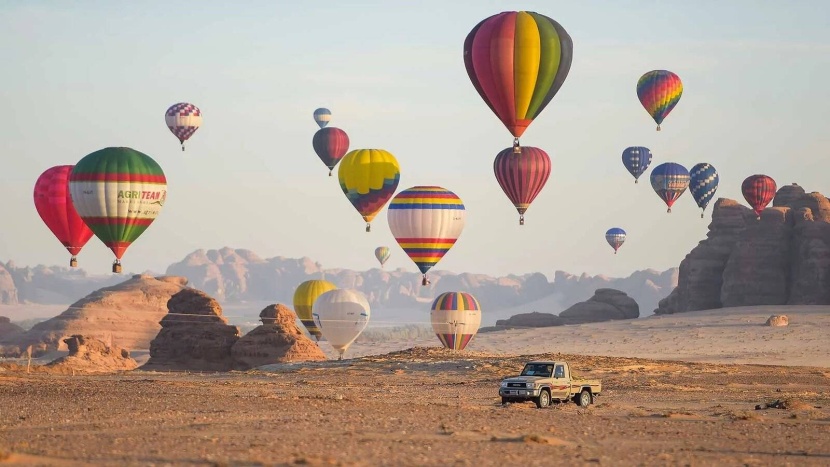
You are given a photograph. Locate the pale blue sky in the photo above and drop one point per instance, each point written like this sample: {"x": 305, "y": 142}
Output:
{"x": 80, "y": 76}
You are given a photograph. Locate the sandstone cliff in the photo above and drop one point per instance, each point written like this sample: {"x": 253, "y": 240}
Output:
{"x": 277, "y": 340}
{"x": 783, "y": 258}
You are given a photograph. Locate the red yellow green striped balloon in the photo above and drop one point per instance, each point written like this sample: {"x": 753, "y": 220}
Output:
{"x": 118, "y": 192}
{"x": 455, "y": 317}
{"x": 659, "y": 91}
{"x": 517, "y": 61}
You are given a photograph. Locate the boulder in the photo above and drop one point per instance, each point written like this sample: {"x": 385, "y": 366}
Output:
{"x": 531, "y": 320}
{"x": 91, "y": 355}
{"x": 777, "y": 320}
{"x": 605, "y": 305}
{"x": 194, "y": 335}
{"x": 277, "y": 340}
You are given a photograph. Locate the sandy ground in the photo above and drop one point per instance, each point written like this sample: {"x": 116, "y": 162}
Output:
{"x": 429, "y": 406}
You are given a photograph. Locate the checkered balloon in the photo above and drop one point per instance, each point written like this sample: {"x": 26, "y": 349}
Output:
{"x": 703, "y": 183}
{"x": 183, "y": 120}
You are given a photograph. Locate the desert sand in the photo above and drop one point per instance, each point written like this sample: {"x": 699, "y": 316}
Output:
{"x": 430, "y": 406}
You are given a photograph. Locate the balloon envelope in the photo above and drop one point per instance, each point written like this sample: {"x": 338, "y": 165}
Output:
{"x": 118, "y": 192}
{"x": 455, "y": 317}
{"x": 183, "y": 120}
{"x": 382, "y": 253}
{"x": 426, "y": 221}
{"x": 669, "y": 181}
{"x": 659, "y": 91}
{"x": 330, "y": 144}
{"x": 758, "y": 190}
{"x": 304, "y": 298}
{"x": 517, "y": 61}
{"x": 368, "y": 178}
{"x": 341, "y": 315}
{"x": 615, "y": 237}
{"x": 703, "y": 183}
{"x": 54, "y": 205}
{"x": 636, "y": 160}
{"x": 322, "y": 116}
{"x": 522, "y": 176}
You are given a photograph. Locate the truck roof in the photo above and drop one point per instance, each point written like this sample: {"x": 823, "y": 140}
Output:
{"x": 543, "y": 362}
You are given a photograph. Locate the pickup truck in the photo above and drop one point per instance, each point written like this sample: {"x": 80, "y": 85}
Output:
{"x": 544, "y": 381}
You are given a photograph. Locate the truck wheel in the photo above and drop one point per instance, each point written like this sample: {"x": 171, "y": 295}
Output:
{"x": 543, "y": 400}
{"x": 504, "y": 400}
{"x": 585, "y": 398}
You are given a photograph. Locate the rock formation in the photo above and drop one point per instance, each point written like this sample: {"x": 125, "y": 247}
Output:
{"x": 8, "y": 330}
{"x": 530, "y": 320}
{"x": 605, "y": 305}
{"x": 777, "y": 320}
{"x": 8, "y": 291}
{"x": 783, "y": 258}
{"x": 194, "y": 335}
{"x": 52, "y": 285}
{"x": 126, "y": 314}
{"x": 91, "y": 355}
{"x": 277, "y": 340}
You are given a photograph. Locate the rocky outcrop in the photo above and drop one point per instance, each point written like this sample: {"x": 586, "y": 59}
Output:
{"x": 126, "y": 314}
{"x": 8, "y": 330}
{"x": 8, "y": 291}
{"x": 49, "y": 285}
{"x": 783, "y": 258}
{"x": 777, "y": 320}
{"x": 194, "y": 335}
{"x": 605, "y": 305}
{"x": 277, "y": 340}
{"x": 530, "y": 320}
{"x": 91, "y": 355}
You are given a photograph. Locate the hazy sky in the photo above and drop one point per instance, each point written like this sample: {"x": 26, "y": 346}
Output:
{"x": 81, "y": 76}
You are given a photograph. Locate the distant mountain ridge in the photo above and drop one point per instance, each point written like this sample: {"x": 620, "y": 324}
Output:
{"x": 239, "y": 275}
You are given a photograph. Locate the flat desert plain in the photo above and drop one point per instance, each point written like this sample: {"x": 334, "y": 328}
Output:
{"x": 678, "y": 390}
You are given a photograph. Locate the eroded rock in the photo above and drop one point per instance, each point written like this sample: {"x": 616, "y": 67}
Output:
{"x": 277, "y": 340}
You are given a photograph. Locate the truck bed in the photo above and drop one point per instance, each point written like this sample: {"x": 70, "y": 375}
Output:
{"x": 595, "y": 384}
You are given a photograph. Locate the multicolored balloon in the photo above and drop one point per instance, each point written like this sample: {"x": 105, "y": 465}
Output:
{"x": 517, "y": 61}
{"x": 118, "y": 192}
{"x": 522, "y": 176}
{"x": 426, "y": 221}
{"x": 659, "y": 91}
{"x": 455, "y": 317}
{"x": 758, "y": 191}
{"x": 54, "y": 205}
{"x": 341, "y": 315}
{"x": 330, "y": 144}
{"x": 322, "y": 116}
{"x": 636, "y": 160}
{"x": 382, "y": 253}
{"x": 369, "y": 177}
{"x": 183, "y": 120}
{"x": 615, "y": 237}
{"x": 669, "y": 181}
{"x": 304, "y": 298}
{"x": 703, "y": 183}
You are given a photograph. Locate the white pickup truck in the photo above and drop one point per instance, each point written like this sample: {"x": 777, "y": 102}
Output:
{"x": 544, "y": 381}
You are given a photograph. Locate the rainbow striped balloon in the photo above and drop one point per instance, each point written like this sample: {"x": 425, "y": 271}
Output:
{"x": 659, "y": 91}
{"x": 426, "y": 221}
{"x": 455, "y": 317}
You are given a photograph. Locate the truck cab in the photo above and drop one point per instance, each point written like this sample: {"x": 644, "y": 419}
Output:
{"x": 545, "y": 381}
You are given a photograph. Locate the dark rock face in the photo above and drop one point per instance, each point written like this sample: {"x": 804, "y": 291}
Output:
{"x": 605, "y": 305}
{"x": 783, "y": 258}
{"x": 530, "y": 320}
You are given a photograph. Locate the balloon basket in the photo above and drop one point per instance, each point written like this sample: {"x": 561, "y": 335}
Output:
{"x": 329, "y": 172}
{"x": 658, "y": 127}
{"x": 424, "y": 281}
{"x": 73, "y": 263}
{"x": 636, "y": 181}
{"x": 522, "y": 220}
{"x": 368, "y": 227}
{"x": 701, "y": 215}
{"x": 116, "y": 268}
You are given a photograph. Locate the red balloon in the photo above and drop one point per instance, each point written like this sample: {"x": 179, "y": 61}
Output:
{"x": 758, "y": 190}
{"x": 54, "y": 204}
{"x": 330, "y": 144}
{"x": 522, "y": 175}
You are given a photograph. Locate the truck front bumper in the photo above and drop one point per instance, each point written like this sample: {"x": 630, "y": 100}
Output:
{"x": 518, "y": 393}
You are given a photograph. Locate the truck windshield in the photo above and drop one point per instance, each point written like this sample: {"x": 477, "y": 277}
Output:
{"x": 535, "y": 369}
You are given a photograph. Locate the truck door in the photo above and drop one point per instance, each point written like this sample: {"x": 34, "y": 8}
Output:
{"x": 560, "y": 388}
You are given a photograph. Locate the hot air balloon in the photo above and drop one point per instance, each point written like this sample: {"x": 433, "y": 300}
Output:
{"x": 615, "y": 237}
{"x": 426, "y": 221}
{"x": 322, "y": 116}
{"x": 54, "y": 205}
{"x": 669, "y": 181}
{"x": 183, "y": 119}
{"x": 523, "y": 176}
{"x": 382, "y": 254}
{"x": 118, "y": 192}
{"x": 703, "y": 183}
{"x": 341, "y": 315}
{"x": 636, "y": 160}
{"x": 517, "y": 61}
{"x": 455, "y": 318}
{"x": 304, "y": 298}
{"x": 758, "y": 191}
{"x": 369, "y": 177}
{"x": 659, "y": 91}
{"x": 330, "y": 144}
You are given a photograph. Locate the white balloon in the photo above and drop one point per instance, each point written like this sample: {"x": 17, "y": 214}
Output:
{"x": 341, "y": 315}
